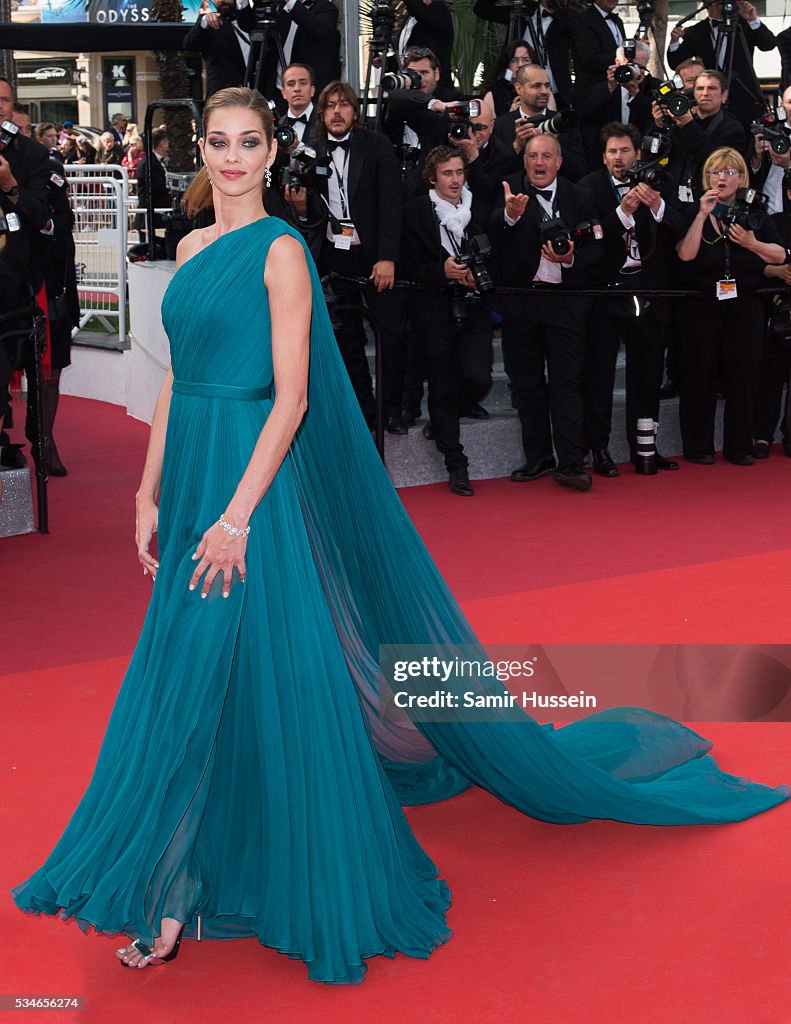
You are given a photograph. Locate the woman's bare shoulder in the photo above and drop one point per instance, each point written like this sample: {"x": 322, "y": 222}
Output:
{"x": 191, "y": 244}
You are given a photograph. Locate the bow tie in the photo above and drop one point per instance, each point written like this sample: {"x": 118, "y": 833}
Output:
{"x": 611, "y": 17}
{"x": 333, "y": 144}
{"x": 714, "y": 23}
{"x": 545, "y": 193}
{"x": 293, "y": 120}
{"x": 546, "y": 14}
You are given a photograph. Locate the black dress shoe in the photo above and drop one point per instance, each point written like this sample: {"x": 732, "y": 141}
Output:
{"x": 664, "y": 463}
{"x": 740, "y": 460}
{"x": 410, "y": 417}
{"x": 603, "y": 463}
{"x": 476, "y": 412}
{"x": 701, "y": 460}
{"x": 428, "y": 431}
{"x": 761, "y": 449}
{"x": 533, "y": 470}
{"x": 395, "y": 425}
{"x": 572, "y": 476}
{"x": 459, "y": 483}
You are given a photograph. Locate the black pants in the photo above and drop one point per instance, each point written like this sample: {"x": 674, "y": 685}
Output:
{"x": 775, "y": 368}
{"x": 544, "y": 355}
{"x": 388, "y": 310}
{"x": 459, "y": 369}
{"x": 644, "y": 340}
{"x": 722, "y": 341}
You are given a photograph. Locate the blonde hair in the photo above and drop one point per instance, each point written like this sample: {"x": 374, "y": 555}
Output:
{"x": 199, "y": 194}
{"x": 725, "y": 157}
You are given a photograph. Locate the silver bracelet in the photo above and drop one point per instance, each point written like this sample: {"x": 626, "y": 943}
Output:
{"x": 233, "y": 530}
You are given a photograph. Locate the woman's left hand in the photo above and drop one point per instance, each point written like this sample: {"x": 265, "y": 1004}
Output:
{"x": 217, "y": 552}
{"x": 741, "y": 236}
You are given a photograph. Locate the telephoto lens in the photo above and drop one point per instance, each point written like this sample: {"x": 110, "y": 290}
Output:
{"x": 645, "y": 463}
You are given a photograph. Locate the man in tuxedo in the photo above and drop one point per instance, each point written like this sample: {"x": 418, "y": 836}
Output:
{"x": 455, "y": 332}
{"x": 488, "y": 160}
{"x": 533, "y": 89}
{"x": 639, "y": 227}
{"x": 298, "y": 89}
{"x": 429, "y": 24}
{"x": 156, "y": 188}
{"x": 599, "y": 33}
{"x": 361, "y": 200}
{"x": 548, "y": 31}
{"x": 696, "y": 134}
{"x": 709, "y": 40}
{"x": 222, "y": 38}
{"x": 24, "y": 203}
{"x": 547, "y": 329}
{"x": 308, "y": 33}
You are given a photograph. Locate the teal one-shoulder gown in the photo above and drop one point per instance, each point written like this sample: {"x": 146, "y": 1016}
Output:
{"x": 252, "y": 771}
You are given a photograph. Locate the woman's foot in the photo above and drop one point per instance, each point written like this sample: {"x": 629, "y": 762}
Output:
{"x": 164, "y": 944}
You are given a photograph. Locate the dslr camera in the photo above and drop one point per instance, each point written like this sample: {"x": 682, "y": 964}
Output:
{"x": 554, "y": 124}
{"x": 265, "y": 12}
{"x": 304, "y": 167}
{"x": 382, "y": 18}
{"x": 460, "y": 114}
{"x": 407, "y": 79}
{"x": 749, "y": 210}
{"x": 774, "y": 128}
{"x": 473, "y": 255}
{"x": 555, "y": 233}
{"x": 8, "y": 133}
{"x": 673, "y": 97}
{"x": 631, "y": 71}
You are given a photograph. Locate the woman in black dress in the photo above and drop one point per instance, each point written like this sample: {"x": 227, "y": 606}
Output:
{"x": 724, "y": 331}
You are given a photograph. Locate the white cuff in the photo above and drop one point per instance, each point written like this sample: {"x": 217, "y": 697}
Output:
{"x": 431, "y": 104}
{"x": 203, "y": 22}
{"x": 625, "y": 218}
{"x": 510, "y": 222}
{"x": 289, "y": 6}
{"x": 50, "y": 230}
{"x": 242, "y": 5}
{"x": 673, "y": 47}
{"x": 660, "y": 213}
{"x": 755, "y": 24}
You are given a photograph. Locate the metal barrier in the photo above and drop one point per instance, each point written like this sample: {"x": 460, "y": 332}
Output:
{"x": 100, "y": 201}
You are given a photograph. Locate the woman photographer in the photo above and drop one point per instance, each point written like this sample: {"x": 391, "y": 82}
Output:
{"x": 724, "y": 331}
{"x": 501, "y": 94}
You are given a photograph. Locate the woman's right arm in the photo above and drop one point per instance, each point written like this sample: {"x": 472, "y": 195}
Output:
{"x": 689, "y": 245}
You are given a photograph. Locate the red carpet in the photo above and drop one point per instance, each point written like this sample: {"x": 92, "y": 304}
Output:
{"x": 553, "y": 925}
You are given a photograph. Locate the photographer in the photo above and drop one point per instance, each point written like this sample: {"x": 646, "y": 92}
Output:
{"x": 624, "y": 96}
{"x": 724, "y": 258}
{"x": 767, "y": 165}
{"x": 361, "y": 201}
{"x": 547, "y": 28}
{"x": 222, "y": 38}
{"x": 776, "y": 357}
{"x": 156, "y": 189}
{"x": 531, "y": 234}
{"x": 428, "y": 24}
{"x": 599, "y": 33}
{"x": 697, "y": 133}
{"x": 710, "y": 40}
{"x": 298, "y": 89}
{"x": 638, "y": 227}
{"x": 308, "y": 31}
{"x": 488, "y": 160}
{"x": 454, "y": 329}
{"x": 24, "y": 173}
{"x": 523, "y": 123}
{"x": 501, "y": 95}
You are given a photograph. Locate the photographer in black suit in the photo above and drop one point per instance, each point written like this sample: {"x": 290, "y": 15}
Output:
{"x": 638, "y": 229}
{"x": 428, "y": 24}
{"x": 308, "y": 31}
{"x": 24, "y": 174}
{"x": 548, "y": 30}
{"x": 546, "y": 329}
{"x": 513, "y": 128}
{"x": 222, "y": 38}
{"x": 599, "y": 33}
{"x": 454, "y": 329}
{"x": 156, "y": 188}
{"x": 709, "y": 40}
{"x": 361, "y": 200}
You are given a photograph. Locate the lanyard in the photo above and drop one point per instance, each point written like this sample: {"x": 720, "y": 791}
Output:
{"x": 340, "y": 173}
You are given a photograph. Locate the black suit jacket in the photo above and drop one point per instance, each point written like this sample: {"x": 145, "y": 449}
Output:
{"x": 693, "y": 143}
{"x": 30, "y": 164}
{"x": 594, "y": 50}
{"x": 156, "y": 188}
{"x": 317, "y": 43}
{"x": 574, "y": 160}
{"x": 557, "y": 40}
{"x": 697, "y": 43}
{"x": 485, "y": 175}
{"x": 518, "y": 248}
{"x": 434, "y": 29}
{"x": 374, "y": 193}
{"x": 653, "y": 238}
{"x": 222, "y": 54}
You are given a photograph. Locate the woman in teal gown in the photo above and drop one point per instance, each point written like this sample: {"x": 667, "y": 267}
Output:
{"x": 253, "y": 770}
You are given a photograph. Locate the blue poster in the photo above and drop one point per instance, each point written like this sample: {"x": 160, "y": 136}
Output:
{"x": 107, "y": 12}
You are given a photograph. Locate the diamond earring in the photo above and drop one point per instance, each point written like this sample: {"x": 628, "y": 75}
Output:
{"x": 209, "y": 177}
{"x": 268, "y": 178}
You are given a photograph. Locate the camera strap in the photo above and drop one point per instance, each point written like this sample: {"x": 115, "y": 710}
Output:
{"x": 725, "y": 288}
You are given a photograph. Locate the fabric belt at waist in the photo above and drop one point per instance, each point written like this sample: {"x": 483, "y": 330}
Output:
{"x": 191, "y": 387}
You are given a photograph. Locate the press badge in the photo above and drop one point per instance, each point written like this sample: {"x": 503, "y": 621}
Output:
{"x": 344, "y": 239}
{"x": 685, "y": 194}
{"x": 57, "y": 180}
{"x": 726, "y": 289}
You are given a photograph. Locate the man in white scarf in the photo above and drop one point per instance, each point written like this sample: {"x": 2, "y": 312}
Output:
{"x": 452, "y": 325}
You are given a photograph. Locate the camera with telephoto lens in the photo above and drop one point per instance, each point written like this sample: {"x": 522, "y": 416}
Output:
{"x": 473, "y": 255}
{"x": 673, "y": 97}
{"x": 460, "y": 114}
{"x": 285, "y": 136}
{"x": 553, "y": 124}
{"x": 304, "y": 167}
{"x": 749, "y": 210}
{"x": 265, "y": 12}
{"x": 382, "y": 18}
{"x": 8, "y": 132}
{"x": 407, "y": 79}
{"x": 774, "y": 128}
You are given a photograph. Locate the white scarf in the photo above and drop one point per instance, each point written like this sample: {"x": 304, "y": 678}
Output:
{"x": 454, "y": 219}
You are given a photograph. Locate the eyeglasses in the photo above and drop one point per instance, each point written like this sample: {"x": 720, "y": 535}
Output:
{"x": 476, "y": 127}
{"x": 727, "y": 172}
{"x": 520, "y": 60}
